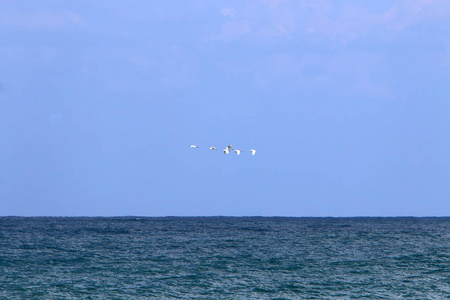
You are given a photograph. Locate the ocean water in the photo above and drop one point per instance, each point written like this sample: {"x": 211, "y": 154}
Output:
{"x": 224, "y": 258}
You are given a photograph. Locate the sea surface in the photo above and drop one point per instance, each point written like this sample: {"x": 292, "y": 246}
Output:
{"x": 224, "y": 258}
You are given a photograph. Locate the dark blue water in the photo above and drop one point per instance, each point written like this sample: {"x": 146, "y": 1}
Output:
{"x": 224, "y": 258}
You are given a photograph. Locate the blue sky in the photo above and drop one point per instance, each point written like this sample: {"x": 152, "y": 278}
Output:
{"x": 347, "y": 103}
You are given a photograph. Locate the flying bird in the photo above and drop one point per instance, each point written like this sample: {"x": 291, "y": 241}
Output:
{"x": 237, "y": 151}
{"x": 213, "y": 148}
{"x": 193, "y": 146}
{"x": 226, "y": 151}
{"x": 229, "y": 148}
{"x": 253, "y": 151}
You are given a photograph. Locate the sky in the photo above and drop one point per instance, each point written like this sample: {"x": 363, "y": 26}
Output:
{"x": 346, "y": 101}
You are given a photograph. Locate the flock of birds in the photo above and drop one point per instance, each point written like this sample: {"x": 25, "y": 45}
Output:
{"x": 228, "y": 149}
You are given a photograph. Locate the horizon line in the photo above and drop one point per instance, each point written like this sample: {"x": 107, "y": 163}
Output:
{"x": 219, "y": 216}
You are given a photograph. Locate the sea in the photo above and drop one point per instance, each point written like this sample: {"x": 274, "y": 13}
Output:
{"x": 224, "y": 258}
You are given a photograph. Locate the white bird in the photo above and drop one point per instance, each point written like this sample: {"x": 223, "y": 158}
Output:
{"x": 226, "y": 151}
{"x": 213, "y": 148}
{"x": 253, "y": 151}
{"x": 237, "y": 152}
{"x": 193, "y": 146}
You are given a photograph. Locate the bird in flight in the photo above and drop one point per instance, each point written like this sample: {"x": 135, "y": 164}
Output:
{"x": 228, "y": 149}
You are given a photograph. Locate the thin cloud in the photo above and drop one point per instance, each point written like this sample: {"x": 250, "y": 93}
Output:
{"x": 40, "y": 20}
{"x": 341, "y": 22}
{"x": 228, "y": 12}
{"x": 233, "y": 28}
{"x": 334, "y": 27}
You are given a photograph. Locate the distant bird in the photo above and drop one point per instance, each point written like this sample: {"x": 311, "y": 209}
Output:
{"x": 253, "y": 151}
{"x": 229, "y": 148}
{"x": 237, "y": 152}
{"x": 193, "y": 146}
{"x": 226, "y": 151}
{"x": 213, "y": 148}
